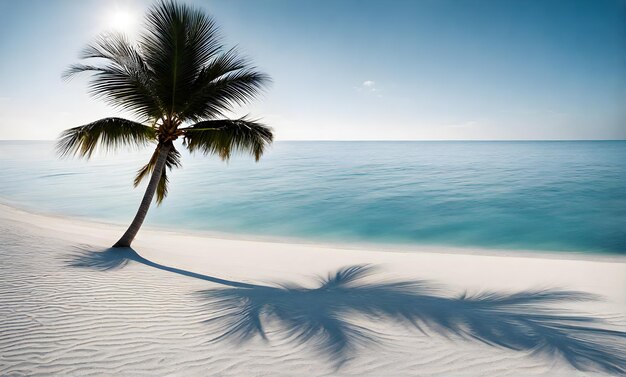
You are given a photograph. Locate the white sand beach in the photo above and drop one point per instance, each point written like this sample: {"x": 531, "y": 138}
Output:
{"x": 192, "y": 305}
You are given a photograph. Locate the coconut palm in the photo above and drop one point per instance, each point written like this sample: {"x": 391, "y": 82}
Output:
{"x": 180, "y": 81}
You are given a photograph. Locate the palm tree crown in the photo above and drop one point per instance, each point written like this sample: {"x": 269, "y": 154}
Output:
{"x": 180, "y": 81}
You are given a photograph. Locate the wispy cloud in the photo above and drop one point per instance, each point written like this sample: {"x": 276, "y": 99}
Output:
{"x": 369, "y": 86}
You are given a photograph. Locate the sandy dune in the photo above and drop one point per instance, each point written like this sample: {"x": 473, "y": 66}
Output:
{"x": 192, "y": 305}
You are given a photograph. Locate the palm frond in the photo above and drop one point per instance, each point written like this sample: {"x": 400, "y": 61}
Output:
{"x": 224, "y": 136}
{"x": 225, "y": 62}
{"x": 162, "y": 187}
{"x": 120, "y": 75}
{"x": 224, "y": 94}
{"x": 172, "y": 161}
{"x": 227, "y": 81}
{"x": 177, "y": 43}
{"x": 107, "y": 133}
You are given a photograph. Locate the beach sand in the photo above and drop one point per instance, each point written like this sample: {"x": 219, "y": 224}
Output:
{"x": 187, "y": 304}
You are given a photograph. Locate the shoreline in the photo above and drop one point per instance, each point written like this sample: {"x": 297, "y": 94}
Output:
{"x": 360, "y": 246}
{"x": 196, "y": 252}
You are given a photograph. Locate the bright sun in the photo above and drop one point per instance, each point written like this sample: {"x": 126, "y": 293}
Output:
{"x": 121, "y": 20}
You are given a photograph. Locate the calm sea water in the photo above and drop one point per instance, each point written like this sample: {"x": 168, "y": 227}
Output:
{"x": 516, "y": 195}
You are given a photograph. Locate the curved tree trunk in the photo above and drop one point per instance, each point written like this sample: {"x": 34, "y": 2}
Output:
{"x": 132, "y": 230}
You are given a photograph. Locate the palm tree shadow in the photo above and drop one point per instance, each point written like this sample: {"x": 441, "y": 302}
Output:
{"x": 115, "y": 258}
{"x": 325, "y": 318}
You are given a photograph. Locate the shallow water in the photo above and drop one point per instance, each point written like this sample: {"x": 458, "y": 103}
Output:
{"x": 514, "y": 195}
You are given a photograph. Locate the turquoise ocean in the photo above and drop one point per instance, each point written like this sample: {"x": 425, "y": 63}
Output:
{"x": 548, "y": 196}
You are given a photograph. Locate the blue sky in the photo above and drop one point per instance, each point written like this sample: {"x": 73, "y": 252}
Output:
{"x": 358, "y": 70}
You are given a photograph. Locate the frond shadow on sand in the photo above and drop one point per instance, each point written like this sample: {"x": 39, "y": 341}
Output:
{"x": 323, "y": 318}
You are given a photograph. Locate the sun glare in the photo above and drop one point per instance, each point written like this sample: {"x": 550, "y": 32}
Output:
{"x": 121, "y": 20}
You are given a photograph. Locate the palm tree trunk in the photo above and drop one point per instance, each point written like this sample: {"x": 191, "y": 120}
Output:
{"x": 132, "y": 230}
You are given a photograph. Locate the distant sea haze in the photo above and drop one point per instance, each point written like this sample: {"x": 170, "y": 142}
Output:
{"x": 531, "y": 195}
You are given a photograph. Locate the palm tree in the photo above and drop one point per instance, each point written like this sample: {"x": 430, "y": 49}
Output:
{"x": 180, "y": 81}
